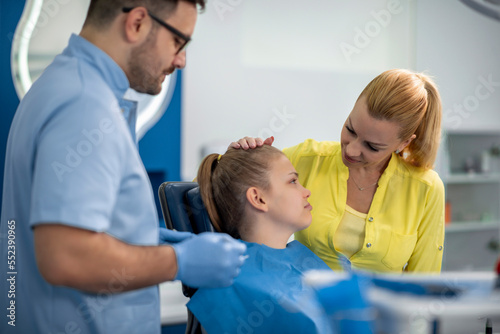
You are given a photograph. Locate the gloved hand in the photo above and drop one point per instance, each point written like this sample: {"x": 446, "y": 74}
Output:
{"x": 168, "y": 236}
{"x": 209, "y": 260}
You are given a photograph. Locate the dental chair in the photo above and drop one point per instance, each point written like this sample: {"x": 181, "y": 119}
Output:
{"x": 183, "y": 210}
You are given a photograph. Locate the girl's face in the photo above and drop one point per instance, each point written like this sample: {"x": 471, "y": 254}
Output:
{"x": 287, "y": 198}
{"x": 366, "y": 141}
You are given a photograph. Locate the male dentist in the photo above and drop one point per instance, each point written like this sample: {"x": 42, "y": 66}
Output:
{"x": 79, "y": 226}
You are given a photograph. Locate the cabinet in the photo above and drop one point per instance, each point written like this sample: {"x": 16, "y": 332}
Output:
{"x": 469, "y": 165}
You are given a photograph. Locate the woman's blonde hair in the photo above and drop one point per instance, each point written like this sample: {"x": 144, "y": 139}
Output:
{"x": 224, "y": 180}
{"x": 413, "y": 102}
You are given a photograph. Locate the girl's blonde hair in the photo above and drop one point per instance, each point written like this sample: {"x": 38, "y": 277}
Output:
{"x": 412, "y": 101}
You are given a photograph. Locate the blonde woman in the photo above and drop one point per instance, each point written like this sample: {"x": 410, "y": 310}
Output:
{"x": 377, "y": 202}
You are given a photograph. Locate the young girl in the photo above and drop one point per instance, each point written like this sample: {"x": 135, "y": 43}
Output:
{"x": 255, "y": 195}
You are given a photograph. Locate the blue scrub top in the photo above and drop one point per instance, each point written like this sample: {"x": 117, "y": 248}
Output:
{"x": 72, "y": 159}
{"x": 268, "y": 296}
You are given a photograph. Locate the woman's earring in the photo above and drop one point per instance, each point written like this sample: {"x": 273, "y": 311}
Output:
{"x": 397, "y": 151}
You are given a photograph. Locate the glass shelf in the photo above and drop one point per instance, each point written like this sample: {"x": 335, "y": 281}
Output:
{"x": 464, "y": 178}
{"x": 471, "y": 226}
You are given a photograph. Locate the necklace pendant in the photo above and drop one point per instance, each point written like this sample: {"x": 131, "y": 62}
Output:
{"x": 363, "y": 188}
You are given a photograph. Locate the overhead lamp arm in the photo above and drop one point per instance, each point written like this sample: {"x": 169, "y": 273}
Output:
{"x": 490, "y": 8}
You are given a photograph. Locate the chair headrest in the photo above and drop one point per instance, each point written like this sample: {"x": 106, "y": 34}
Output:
{"x": 183, "y": 208}
{"x": 174, "y": 206}
{"x": 199, "y": 215}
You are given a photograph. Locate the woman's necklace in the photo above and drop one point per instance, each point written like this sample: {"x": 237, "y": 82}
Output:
{"x": 362, "y": 188}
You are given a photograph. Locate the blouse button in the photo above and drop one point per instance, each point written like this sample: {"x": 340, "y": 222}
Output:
{"x": 440, "y": 247}
{"x": 370, "y": 219}
{"x": 368, "y": 245}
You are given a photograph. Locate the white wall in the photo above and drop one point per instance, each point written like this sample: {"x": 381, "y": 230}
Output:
{"x": 461, "y": 48}
{"x": 252, "y": 61}
{"x": 264, "y": 59}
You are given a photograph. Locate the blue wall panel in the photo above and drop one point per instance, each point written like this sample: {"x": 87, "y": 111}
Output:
{"x": 10, "y": 13}
{"x": 160, "y": 147}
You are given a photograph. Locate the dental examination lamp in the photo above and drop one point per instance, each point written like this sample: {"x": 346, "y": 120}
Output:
{"x": 39, "y": 38}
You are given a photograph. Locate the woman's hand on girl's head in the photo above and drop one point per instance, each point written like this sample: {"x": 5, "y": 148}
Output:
{"x": 250, "y": 142}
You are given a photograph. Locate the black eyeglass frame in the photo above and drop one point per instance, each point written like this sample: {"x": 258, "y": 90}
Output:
{"x": 167, "y": 26}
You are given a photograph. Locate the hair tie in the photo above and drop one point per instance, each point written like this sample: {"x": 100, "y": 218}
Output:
{"x": 218, "y": 158}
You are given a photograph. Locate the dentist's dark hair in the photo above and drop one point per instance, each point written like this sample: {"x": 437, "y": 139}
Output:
{"x": 102, "y": 12}
{"x": 224, "y": 180}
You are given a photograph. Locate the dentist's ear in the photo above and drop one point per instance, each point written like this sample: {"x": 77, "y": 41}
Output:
{"x": 256, "y": 199}
{"x": 137, "y": 25}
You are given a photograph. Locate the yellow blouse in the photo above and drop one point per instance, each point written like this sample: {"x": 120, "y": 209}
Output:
{"x": 404, "y": 228}
{"x": 350, "y": 234}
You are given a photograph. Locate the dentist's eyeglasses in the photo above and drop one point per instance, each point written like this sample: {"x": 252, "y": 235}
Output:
{"x": 185, "y": 39}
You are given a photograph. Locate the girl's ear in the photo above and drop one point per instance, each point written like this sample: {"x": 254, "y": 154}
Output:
{"x": 256, "y": 199}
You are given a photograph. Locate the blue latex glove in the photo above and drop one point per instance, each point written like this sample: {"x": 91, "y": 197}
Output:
{"x": 168, "y": 236}
{"x": 209, "y": 260}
